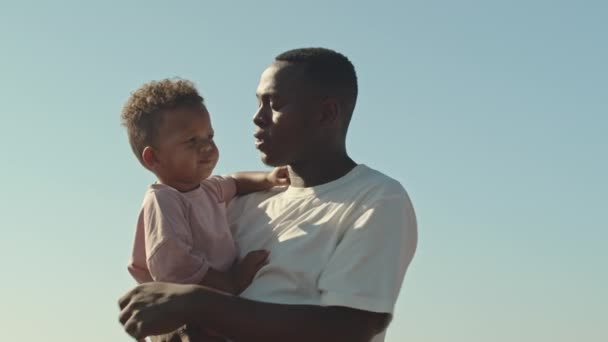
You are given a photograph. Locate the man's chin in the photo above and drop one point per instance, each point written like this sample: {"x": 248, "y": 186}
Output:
{"x": 269, "y": 161}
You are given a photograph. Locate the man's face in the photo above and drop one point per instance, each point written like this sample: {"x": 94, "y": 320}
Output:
{"x": 287, "y": 117}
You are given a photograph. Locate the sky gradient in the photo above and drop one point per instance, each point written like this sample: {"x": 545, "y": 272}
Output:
{"x": 492, "y": 114}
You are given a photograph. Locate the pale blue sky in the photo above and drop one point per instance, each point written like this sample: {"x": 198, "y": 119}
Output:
{"x": 493, "y": 114}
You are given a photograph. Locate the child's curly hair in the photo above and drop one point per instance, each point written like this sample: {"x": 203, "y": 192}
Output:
{"x": 142, "y": 114}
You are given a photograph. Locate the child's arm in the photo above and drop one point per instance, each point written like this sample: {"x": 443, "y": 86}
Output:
{"x": 239, "y": 276}
{"x": 247, "y": 182}
{"x": 169, "y": 253}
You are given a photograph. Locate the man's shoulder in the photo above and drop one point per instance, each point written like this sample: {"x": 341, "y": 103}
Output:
{"x": 377, "y": 184}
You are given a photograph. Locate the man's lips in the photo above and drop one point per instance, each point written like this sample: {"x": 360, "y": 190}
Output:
{"x": 260, "y": 135}
{"x": 260, "y": 138}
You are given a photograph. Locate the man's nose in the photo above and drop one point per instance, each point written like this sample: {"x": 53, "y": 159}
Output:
{"x": 261, "y": 117}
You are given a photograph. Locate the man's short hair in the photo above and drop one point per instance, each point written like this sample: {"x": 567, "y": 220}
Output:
{"x": 143, "y": 112}
{"x": 330, "y": 70}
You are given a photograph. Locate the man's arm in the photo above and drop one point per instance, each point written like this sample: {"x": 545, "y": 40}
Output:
{"x": 156, "y": 308}
{"x": 245, "y": 320}
{"x": 248, "y": 182}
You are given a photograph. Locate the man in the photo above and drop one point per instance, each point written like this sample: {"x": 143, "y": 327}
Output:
{"x": 340, "y": 237}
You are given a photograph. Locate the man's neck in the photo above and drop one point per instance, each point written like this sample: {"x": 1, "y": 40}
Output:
{"x": 320, "y": 171}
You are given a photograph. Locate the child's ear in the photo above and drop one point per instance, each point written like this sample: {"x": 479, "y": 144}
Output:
{"x": 148, "y": 155}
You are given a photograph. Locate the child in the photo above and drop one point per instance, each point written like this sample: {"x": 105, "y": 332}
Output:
{"x": 182, "y": 233}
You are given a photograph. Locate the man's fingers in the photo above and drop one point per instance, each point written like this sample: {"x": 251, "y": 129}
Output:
{"x": 133, "y": 328}
{"x": 124, "y": 300}
{"x": 124, "y": 316}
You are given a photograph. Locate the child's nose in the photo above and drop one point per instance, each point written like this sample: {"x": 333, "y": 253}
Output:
{"x": 206, "y": 146}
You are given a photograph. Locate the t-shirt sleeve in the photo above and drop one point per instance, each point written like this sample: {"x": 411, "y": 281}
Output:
{"x": 369, "y": 263}
{"x": 169, "y": 249}
{"x": 223, "y": 187}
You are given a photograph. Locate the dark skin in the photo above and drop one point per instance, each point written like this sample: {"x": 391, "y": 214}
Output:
{"x": 296, "y": 126}
{"x": 156, "y": 308}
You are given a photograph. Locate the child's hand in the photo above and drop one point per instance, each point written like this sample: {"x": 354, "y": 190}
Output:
{"x": 279, "y": 176}
{"x": 248, "y": 267}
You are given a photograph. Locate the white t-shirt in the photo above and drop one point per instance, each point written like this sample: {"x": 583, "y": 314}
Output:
{"x": 344, "y": 243}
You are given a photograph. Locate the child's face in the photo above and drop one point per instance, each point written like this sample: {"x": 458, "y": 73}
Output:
{"x": 185, "y": 152}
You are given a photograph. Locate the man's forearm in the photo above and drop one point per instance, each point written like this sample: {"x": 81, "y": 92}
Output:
{"x": 244, "y": 320}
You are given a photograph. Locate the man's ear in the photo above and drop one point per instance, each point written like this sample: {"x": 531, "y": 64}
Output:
{"x": 148, "y": 155}
{"x": 330, "y": 112}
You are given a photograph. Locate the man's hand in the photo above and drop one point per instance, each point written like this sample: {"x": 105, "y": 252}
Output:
{"x": 247, "y": 268}
{"x": 154, "y": 308}
{"x": 279, "y": 176}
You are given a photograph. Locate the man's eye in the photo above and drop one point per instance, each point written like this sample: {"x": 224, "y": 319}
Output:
{"x": 275, "y": 106}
